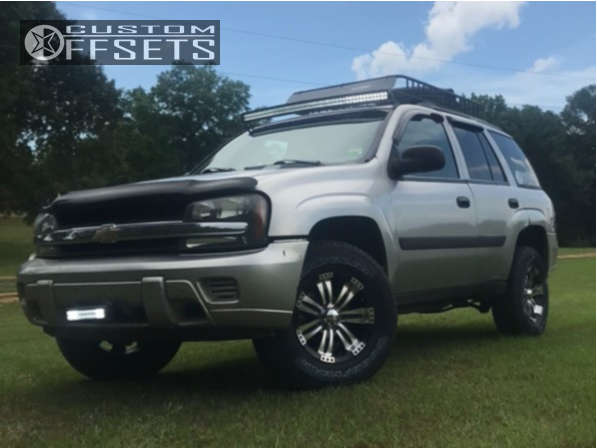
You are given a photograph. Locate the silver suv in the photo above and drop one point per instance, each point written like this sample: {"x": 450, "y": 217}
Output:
{"x": 306, "y": 234}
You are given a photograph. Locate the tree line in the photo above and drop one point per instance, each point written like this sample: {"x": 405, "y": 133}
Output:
{"x": 66, "y": 128}
{"x": 561, "y": 148}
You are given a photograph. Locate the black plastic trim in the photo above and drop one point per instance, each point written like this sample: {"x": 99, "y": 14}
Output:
{"x": 463, "y": 124}
{"x": 450, "y": 242}
{"x": 444, "y": 299}
{"x": 449, "y": 180}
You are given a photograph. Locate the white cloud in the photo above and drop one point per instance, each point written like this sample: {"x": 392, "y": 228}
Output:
{"x": 544, "y": 64}
{"x": 449, "y": 30}
{"x": 548, "y": 91}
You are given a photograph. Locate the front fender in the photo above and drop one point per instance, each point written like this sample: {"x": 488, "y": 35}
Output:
{"x": 315, "y": 209}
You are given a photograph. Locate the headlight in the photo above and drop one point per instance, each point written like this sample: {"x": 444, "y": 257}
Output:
{"x": 43, "y": 226}
{"x": 230, "y": 222}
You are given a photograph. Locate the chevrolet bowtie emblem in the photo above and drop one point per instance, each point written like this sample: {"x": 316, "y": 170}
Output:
{"x": 108, "y": 233}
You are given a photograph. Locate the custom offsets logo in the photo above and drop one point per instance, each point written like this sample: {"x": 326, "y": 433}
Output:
{"x": 119, "y": 42}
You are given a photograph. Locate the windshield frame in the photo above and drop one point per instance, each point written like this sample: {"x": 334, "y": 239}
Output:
{"x": 356, "y": 115}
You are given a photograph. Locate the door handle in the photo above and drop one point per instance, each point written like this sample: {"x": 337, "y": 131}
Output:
{"x": 513, "y": 202}
{"x": 463, "y": 202}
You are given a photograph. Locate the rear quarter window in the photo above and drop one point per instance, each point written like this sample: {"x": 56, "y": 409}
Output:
{"x": 517, "y": 161}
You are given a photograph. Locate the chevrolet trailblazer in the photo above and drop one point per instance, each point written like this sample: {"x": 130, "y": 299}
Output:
{"x": 307, "y": 234}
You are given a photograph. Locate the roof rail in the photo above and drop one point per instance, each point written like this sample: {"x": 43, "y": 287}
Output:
{"x": 375, "y": 91}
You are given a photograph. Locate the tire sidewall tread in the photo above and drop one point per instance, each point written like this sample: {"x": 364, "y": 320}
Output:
{"x": 291, "y": 362}
{"x": 507, "y": 310}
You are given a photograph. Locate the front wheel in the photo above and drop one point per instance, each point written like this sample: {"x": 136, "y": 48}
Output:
{"x": 524, "y": 307}
{"x": 105, "y": 360}
{"x": 343, "y": 323}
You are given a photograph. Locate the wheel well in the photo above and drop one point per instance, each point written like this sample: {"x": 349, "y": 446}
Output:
{"x": 359, "y": 231}
{"x": 535, "y": 237}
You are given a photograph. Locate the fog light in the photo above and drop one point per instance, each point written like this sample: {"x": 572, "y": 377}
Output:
{"x": 86, "y": 314}
{"x": 194, "y": 243}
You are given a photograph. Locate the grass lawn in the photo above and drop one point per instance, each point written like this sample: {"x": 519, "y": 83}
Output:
{"x": 563, "y": 251}
{"x": 16, "y": 243}
{"x": 8, "y": 286}
{"x": 450, "y": 381}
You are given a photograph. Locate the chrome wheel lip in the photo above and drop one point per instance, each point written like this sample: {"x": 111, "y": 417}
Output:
{"x": 332, "y": 317}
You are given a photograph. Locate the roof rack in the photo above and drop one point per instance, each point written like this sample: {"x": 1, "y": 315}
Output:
{"x": 376, "y": 91}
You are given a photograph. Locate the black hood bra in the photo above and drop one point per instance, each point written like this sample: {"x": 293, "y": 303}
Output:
{"x": 138, "y": 202}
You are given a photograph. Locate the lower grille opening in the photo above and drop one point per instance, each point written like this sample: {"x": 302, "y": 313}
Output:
{"x": 32, "y": 310}
{"x": 221, "y": 289}
{"x": 154, "y": 246}
{"x": 187, "y": 309}
{"x": 127, "y": 313}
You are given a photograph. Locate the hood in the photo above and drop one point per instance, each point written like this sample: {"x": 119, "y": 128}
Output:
{"x": 167, "y": 199}
{"x": 254, "y": 174}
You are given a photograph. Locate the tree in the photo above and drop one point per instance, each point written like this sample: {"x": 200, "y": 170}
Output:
{"x": 200, "y": 110}
{"x": 559, "y": 148}
{"x": 16, "y": 157}
{"x": 64, "y": 128}
{"x": 51, "y": 121}
{"x": 188, "y": 114}
{"x": 578, "y": 118}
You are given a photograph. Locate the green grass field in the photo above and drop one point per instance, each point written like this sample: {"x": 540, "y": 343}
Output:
{"x": 16, "y": 243}
{"x": 450, "y": 381}
{"x": 565, "y": 251}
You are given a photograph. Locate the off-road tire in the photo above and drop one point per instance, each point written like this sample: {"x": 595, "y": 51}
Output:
{"x": 513, "y": 312}
{"x": 102, "y": 360}
{"x": 297, "y": 365}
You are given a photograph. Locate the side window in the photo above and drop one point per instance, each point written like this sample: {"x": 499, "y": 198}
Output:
{"x": 520, "y": 166}
{"x": 480, "y": 159}
{"x": 494, "y": 165}
{"x": 423, "y": 130}
{"x": 478, "y": 168}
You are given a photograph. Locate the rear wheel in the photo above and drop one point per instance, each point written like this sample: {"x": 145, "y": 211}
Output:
{"x": 103, "y": 359}
{"x": 343, "y": 323}
{"x": 524, "y": 308}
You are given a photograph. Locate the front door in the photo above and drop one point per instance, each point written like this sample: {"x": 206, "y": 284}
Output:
{"x": 433, "y": 218}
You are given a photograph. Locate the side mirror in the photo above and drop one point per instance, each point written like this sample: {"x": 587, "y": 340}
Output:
{"x": 416, "y": 159}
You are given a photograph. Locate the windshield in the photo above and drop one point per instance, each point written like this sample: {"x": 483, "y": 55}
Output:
{"x": 323, "y": 144}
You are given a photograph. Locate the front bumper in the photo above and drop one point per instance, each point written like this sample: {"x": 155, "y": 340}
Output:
{"x": 165, "y": 294}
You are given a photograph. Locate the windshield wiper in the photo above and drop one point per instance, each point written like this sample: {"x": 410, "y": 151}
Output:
{"x": 286, "y": 163}
{"x": 216, "y": 170}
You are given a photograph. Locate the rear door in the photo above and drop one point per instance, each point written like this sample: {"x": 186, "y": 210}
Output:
{"x": 433, "y": 218}
{"x": 493, "y": 196}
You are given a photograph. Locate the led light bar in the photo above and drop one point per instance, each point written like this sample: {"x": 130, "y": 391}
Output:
{"x": 86, "y": 314}
{"x": 375, "y": 97}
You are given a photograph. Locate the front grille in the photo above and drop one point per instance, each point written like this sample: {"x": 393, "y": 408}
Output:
{"x": 153, "y": 246}
{"x": 142, "y": 218}
{"x": 140, "y": 238}
{"x": 221, "y": 289}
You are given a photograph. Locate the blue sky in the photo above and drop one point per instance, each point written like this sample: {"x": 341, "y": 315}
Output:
{"x": 532, "y": 53}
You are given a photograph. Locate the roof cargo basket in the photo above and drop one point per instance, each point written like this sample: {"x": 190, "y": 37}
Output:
{"x": 415, "y": 91}
{"x": 376, "y": 91}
